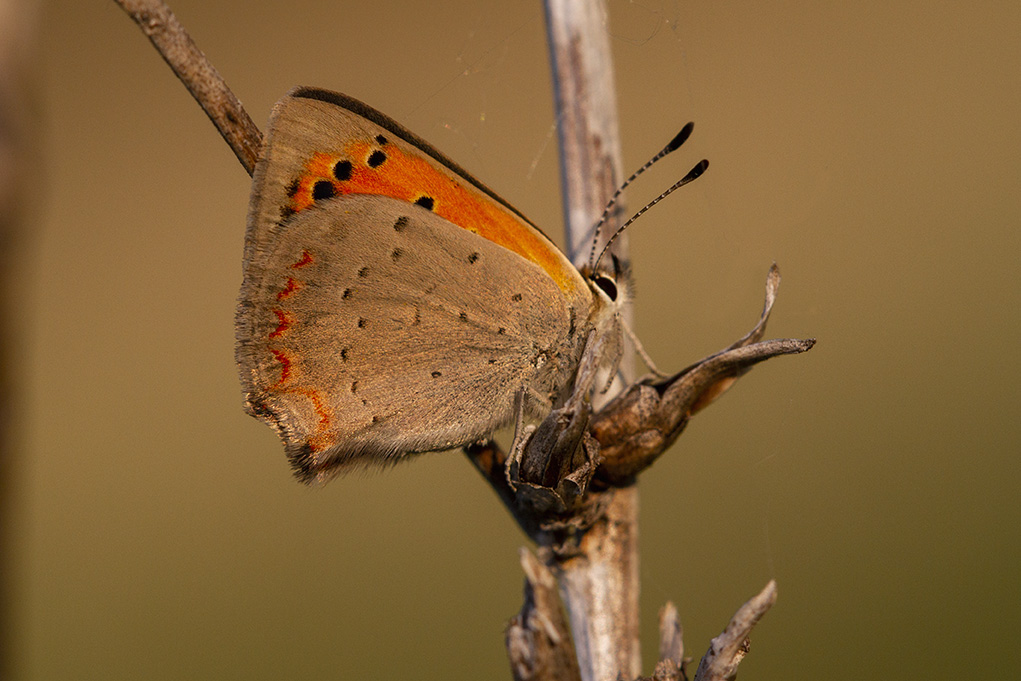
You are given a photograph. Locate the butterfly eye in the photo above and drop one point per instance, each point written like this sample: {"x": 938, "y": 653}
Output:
{"x": 607, "y": 285}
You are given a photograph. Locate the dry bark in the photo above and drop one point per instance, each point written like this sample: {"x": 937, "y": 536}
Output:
{"x": 539, "y": 640}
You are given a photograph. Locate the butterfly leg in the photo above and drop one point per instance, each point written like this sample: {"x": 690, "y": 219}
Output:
{"x": 551, "y": 464}
{"x": 641, "y": 351}
{"x": 522, "y": 435}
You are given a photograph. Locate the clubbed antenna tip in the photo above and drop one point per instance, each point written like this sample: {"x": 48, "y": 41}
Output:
{"x": 680, "y": 138}
{"x": 696, "y": 171}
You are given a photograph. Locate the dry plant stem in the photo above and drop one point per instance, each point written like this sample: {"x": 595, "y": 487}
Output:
{"x": 586, "y": 107}
{"x": 728, "y": 649}
{"x": 671, "y": 641}
{"x": 539, "y": 639}
{"x": 600, "y": 584}
{"x": 671, "y": 645}
{"x": 585, "y": 101}
{"x": 198, "y": 75}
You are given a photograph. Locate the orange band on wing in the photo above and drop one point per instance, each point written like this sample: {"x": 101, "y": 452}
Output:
{"x": 387, "y": 171}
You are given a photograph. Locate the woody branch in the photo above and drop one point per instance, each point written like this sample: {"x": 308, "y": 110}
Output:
{"x": 599, "y": 582}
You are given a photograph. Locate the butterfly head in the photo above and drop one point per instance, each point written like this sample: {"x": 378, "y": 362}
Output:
{"x": 609, "y": 284}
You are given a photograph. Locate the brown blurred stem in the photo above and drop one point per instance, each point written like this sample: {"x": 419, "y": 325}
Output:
{"x": 198, "y": 75}
{"x": 19, "y": 167}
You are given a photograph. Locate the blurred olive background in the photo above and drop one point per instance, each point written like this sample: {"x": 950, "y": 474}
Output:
{"x": 872, "y": 150}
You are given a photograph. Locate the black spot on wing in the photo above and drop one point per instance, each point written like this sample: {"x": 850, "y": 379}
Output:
{"x": 323, "y": 189}
{"x": 342, "y": 170}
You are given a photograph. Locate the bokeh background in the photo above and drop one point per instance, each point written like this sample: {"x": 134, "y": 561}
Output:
{"x": 871, "y": 149}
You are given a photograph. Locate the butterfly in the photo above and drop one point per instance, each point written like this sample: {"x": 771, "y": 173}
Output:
{"x": 392, "y": 304}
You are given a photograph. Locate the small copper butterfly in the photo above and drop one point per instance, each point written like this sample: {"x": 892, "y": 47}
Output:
{"x": 392, "y": 304}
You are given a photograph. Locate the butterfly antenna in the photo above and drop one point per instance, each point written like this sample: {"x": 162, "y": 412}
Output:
{"x": 674, "y": 144}
{"x": 693, "y": 174}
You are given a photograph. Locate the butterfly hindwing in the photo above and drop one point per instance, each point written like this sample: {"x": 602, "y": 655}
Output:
{"x": 376, "y": 329}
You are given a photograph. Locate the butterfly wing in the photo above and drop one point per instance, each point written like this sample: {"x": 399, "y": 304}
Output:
{"x": 371, "y": 326}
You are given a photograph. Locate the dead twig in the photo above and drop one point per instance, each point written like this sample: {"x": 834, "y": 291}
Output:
{"x": 539, "y": 639}
{"x": 728, "y": 649}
